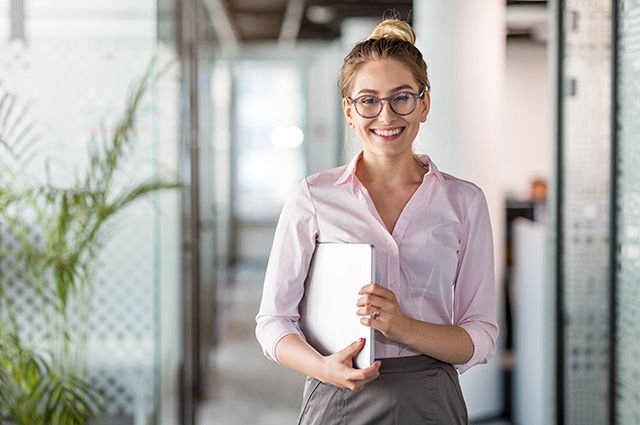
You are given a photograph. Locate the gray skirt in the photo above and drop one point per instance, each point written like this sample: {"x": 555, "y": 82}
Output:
{"x": 409, "y": 391}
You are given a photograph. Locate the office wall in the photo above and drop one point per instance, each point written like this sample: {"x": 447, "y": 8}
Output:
{"x": 527, "y": 116}
{"x": 464, "y": 46}
{"x": 324, "y": 135}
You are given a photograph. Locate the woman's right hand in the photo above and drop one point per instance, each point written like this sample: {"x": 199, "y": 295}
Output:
{"x": 338, "y": 369}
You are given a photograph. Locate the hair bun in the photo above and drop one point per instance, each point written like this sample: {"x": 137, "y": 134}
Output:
{"x": 394, "y": 28}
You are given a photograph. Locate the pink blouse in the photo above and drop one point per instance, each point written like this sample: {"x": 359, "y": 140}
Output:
{"x": 438, "y": 260}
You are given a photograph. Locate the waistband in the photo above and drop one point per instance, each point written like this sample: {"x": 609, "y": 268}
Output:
{"x": 410, "y": 364}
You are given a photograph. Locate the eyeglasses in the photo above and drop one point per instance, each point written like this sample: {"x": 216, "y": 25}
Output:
{"x": 369, "y": 106}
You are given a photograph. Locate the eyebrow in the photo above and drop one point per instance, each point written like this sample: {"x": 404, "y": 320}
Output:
{"x": 402, "y": 87}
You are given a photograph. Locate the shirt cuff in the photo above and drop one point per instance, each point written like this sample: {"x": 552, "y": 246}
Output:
{"x": 483, "y": 347}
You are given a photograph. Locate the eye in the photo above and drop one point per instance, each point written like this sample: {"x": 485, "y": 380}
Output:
{"x": 402, "y": 97}
{"x": 368, "y": 100}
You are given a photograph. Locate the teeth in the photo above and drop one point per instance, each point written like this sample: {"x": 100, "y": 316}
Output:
{"x": 387, "y": 133}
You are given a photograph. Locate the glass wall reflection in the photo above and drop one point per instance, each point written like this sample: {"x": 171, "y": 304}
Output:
{"x": 73, "y": 69}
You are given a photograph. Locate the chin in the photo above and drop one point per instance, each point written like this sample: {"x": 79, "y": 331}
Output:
{"x": 387, "y": 149}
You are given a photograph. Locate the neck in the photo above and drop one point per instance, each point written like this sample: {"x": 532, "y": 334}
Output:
{"x": 390, "y": 171}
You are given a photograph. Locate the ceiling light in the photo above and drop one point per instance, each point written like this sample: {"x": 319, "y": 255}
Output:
{"x": 321, "y": 14}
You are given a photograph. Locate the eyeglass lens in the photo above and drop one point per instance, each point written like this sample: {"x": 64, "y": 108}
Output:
{"x": 371, "y": 106}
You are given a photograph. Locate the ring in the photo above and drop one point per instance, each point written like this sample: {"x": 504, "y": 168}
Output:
{"x": 375, "y": 314}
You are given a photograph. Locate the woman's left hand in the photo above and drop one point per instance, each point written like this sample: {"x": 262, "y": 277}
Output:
{"x": 379, "y": 309}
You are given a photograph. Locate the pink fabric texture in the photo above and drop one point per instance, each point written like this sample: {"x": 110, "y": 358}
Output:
{"x": 438, "y": 260}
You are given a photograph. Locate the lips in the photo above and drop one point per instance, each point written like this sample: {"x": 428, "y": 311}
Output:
{"x": 387, "y": 132}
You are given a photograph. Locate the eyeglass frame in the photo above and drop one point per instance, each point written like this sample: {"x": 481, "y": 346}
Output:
{"x": 384, "y": 100}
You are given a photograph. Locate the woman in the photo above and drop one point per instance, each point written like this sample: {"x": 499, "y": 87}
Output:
{"x": 434, "y": 304}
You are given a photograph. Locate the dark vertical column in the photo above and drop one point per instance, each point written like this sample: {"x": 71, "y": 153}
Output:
{"x": 17, "y": 20}
{"x": 613, "y": 216}
{"x": 194, "y": 222}
{"x": 233, "y": 173}
{"x": 559, "y": 274}
{"x": 206, "y": 189}
{"x": 187, "y": 48}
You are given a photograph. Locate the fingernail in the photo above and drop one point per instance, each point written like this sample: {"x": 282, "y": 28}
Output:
{"x": 361, "y": 340}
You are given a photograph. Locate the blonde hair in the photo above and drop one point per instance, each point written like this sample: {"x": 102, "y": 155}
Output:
{"x": 393, "y": 28}
{"x": 391, "y": 39}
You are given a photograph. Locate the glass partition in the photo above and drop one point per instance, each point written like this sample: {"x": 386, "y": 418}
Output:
{"x": 586, "y": 146}
{"x": 72, "y": 72}
{"x": 627, "y": 391}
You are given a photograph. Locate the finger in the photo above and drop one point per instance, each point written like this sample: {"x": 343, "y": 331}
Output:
{"x": 368, "y": 299}
{"x": 371, "y": 323}
{"x": 351, "y": 350}
{"x": 369, "y": 289}
{"x": 374, "y": 300}
{"x": 366, "y": 374}
{"x": 374, "y": 311}
{"x": 366, "y": 311}
{"x": 371, "y": 378}
{"x": 369, "y": 310}
{"x": 373, "y": 367}
{"x": 360, "y": 376}
{"x": 372, "y": 374}
{"x": 375, "y": 289}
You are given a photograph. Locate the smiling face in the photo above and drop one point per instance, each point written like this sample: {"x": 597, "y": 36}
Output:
{"x": 388, "y": 134}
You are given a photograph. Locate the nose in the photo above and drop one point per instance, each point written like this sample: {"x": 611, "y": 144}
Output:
{"x": 387, "y": 115}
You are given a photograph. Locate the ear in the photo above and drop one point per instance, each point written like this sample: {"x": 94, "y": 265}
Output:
{"x": 347, "y": 108}
{"x": 425, "y": 106}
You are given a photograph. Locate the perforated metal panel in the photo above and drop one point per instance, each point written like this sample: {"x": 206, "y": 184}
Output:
{"x": 628, "y": 207}
{"x": 586, "y": 210}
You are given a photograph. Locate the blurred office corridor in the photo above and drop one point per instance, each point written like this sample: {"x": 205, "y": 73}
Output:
{"x": 175, "y": 129}
{"x": 242, "y": 379}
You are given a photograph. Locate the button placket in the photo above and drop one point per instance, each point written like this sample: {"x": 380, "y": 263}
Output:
{"x": 364, "y": 198}
{"x": 407, "y": 212}
{"x": 393, "y": 277}
{"x": 393, "y": 271}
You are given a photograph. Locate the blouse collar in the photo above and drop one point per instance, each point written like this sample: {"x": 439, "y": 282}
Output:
{"x": 350, "y": 170}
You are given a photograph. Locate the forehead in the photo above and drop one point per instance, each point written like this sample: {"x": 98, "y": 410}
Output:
{"x": 383, "y": 76}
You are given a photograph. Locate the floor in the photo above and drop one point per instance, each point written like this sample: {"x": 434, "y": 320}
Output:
{"x": 246, "y": 387}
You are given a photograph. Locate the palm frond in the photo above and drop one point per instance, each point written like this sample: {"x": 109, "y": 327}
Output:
{"x": 139, "y": 190}
{"x": 17, "y": 133}
{"x": 7, "y": 104}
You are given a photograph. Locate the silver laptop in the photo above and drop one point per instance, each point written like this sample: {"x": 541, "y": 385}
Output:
{"x": 328, "y": 316}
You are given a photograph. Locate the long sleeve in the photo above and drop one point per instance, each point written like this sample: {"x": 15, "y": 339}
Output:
{"x": 293, "y": 246}
{"x": 474, "y": 304}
